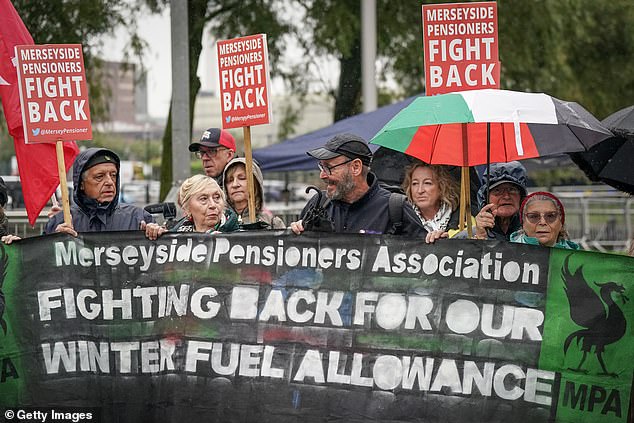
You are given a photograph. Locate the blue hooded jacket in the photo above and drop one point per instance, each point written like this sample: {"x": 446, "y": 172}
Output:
{"x": 89, "y": 215}
{"x": 512, "y": 172}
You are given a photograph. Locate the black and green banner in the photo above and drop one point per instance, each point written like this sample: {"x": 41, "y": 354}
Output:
{"x": 257, "y": 327}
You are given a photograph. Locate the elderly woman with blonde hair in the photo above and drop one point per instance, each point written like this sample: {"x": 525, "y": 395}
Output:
{"x": 204, "y": 206}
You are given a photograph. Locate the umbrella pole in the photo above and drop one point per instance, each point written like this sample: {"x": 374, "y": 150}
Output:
{"x": 461, "y": 219}
{"x": 464, "y": 182}
{"x": 486, "y": 201}
{"x": 467, "y": 200}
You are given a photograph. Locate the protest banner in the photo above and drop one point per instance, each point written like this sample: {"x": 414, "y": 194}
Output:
{"x": 243, "y": 67}
{"x": 259, "y": 327}
{"x": 461, "y": 47}
{"x": 53, "y": 93}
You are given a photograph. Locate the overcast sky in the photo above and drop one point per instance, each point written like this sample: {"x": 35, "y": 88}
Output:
{"x": 155, "y": 29}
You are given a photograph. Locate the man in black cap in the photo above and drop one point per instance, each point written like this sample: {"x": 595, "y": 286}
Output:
{"x": 96, "y": 195}
{"x": 356, "y": 203}
{"x": 216, "y": 148}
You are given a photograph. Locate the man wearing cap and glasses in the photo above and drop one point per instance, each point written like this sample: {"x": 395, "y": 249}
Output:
{"x": 356, "y": 201}
{"x": 216, "y": 148}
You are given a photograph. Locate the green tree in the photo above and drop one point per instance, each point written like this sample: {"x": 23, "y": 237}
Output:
{"x": 578, "y": 50}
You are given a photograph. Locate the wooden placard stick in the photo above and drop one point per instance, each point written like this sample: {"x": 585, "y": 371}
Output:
{"x": 61, "y": 170}
{"x": 249, "y": 170}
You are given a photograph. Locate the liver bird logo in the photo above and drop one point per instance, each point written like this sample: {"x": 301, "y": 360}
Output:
{"x": 601, "y": 318}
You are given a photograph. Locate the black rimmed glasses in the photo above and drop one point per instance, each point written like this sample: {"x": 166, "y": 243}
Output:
{"x": 211, "y": 153}
{"x": 535, "y": 218}
{"x": 328, "y": 169}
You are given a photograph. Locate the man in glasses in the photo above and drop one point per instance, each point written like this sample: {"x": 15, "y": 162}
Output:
{"x": 216, "y": 148}
{"x": 354, "y": 202}
{"x": 499, "y": 214}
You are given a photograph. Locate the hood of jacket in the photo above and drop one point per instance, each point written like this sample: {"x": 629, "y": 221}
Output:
{"x": 257, "y": 175}
{"x": 90, "y": 206}
{"x": 513, "y": 172}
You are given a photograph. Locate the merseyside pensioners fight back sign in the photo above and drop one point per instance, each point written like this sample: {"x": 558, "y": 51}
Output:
{"x": 263, "y": 326}
{"x": 53, "y": 93}
{"x": 243, "y": 68}
{"x": 461, "y": 47}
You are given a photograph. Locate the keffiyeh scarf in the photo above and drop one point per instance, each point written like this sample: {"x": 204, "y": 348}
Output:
{"x": 439, "y": 221}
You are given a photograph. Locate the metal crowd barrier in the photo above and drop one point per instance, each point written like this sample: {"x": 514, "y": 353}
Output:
{"x": 601, "y": 221}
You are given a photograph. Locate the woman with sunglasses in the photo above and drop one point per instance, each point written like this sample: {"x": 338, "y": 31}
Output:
{"x": 542, "y": 215}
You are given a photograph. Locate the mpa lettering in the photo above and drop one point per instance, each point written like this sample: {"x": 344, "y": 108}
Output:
{"x": 590, "y": 398}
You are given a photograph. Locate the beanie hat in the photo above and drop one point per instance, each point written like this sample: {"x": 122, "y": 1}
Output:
{"x": 102, "y": 156}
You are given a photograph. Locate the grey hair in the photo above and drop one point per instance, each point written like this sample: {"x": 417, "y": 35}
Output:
{"x": 194, "y": 185}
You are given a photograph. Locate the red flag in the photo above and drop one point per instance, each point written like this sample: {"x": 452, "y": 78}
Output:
{"x": 37, "y": 163}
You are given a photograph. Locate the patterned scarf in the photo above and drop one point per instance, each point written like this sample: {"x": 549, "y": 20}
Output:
{"x": 440, "y": 220}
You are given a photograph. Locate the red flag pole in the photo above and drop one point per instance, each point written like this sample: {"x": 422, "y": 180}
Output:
{"x": 61, "y": 170}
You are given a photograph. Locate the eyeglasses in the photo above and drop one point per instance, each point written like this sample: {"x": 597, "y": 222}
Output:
{"x": 328, "y": 169}
{"x": 499, "y": 191}
{"x": 549, "y": 217}
{"x": 209, "y": 153}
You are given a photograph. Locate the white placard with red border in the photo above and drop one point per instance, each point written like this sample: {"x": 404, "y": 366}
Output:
{"x": 53, "y": 93}
{"x": 461, "y": 47}
{"x": 243, "y": 69}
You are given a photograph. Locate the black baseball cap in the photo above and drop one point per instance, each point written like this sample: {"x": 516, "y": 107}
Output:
{"x": 349, "y": 145}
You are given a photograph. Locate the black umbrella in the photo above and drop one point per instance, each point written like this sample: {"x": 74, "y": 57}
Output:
{"x": 621, "y": 122}
{"x": 610, "y": 161}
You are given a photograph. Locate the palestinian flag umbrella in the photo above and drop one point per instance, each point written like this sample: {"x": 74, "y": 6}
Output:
{"x": 475, "y": 127}
{"x": 522, "y": 126}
